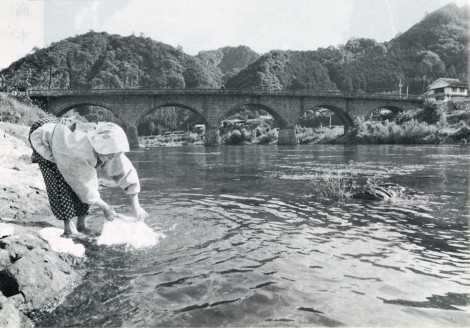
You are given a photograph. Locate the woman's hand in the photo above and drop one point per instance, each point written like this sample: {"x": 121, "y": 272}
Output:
{"x": 108, "y": 211}
{"x": 137, "y": 210}
{"x": 140, "y": 213}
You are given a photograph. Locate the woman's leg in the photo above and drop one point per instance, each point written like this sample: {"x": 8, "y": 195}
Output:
{"x": 69, "y": 228}
{"x": 81, "y": 224}
{"x": 62, "y": 200}
{"x": 61, "y": 197}
{"x": 81, "y": 210}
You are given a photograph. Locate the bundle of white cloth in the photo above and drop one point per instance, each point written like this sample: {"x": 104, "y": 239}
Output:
{"x": 126, "y": 230}
{"x": 6, "y": 230}
{"x": 59, "y": 244}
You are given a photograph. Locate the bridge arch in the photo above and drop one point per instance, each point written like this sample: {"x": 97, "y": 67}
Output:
{"x": 63, "y": 109}
{"x": 382, "y": 113}
{"x": 394, "y": 109}
{"x": 60, "y": 110}
{"x": 283, "y": 122}
{"x": 173, "y": 104}
{"x": 248, "y": 122}
{"x": 320, "y": 123}
{"x": 171, "y": 116}
{"x": 341, "y": 113}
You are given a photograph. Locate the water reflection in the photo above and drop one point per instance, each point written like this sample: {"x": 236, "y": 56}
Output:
{"x": 248, "y": 244}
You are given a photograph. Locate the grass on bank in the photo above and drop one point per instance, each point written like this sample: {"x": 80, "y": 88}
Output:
{"x": 17, "y": 115}
{"x": 19, "y": 111}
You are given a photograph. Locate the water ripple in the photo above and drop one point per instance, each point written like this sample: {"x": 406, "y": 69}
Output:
{"x": 247, "y": 246}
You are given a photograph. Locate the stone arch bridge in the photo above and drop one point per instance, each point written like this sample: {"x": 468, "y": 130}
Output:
{"x": 213, "y": 105}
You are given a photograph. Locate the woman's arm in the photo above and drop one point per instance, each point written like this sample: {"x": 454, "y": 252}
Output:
{"x": 108, "y": 211}
{"x": 123, "y": 173}
{"x": 137, "y": 210}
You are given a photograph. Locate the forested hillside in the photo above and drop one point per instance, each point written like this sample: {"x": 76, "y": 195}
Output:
{"x": 278, "y": 70}
{"x": 101, "y": 60}
{"x": 228, "y": 60}
{"x": 435, "y": 47}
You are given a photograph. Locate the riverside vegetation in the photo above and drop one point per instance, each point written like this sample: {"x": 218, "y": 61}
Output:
{"x": 434, "y": 124}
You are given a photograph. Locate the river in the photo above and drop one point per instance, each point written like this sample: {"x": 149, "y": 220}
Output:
{"x": 249, "y": 243}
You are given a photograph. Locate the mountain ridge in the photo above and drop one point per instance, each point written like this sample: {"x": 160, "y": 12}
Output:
{"x": 436, "y": 46}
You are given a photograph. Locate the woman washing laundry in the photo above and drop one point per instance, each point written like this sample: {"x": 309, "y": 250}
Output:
{"x": 72, "y": 157}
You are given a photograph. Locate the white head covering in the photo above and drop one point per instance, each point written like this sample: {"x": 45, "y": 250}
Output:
{"x": 108, "y": 138}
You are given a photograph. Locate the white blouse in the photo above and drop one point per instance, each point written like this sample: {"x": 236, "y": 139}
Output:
{"x": 77, "y": 161}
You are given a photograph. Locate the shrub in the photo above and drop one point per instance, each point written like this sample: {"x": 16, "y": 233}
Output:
{"x": 20, "y": 112}
{"x": 319, "y": 135}
{"x": 268, "y": 138}
{"x": 390, "y": 132}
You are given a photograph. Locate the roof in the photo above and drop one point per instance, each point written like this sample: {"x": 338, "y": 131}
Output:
{"x": 447, "y": 82}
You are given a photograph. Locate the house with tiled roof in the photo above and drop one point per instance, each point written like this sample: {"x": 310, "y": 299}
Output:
{"x": 446, "y": 88}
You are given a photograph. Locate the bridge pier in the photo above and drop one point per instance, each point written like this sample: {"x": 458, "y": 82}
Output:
{"x": 212, "y": 137}
{"x": 132, "y": 136}
{"x": 287, "y": 136}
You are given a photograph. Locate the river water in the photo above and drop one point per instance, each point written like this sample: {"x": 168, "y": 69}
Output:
{"x": 249, "y": 242}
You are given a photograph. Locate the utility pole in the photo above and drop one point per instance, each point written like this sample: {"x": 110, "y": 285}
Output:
{"x": 400, "y": 85}
{"x": 50, "y": 77}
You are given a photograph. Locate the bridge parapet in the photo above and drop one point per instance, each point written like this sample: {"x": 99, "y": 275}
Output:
{"x": 230, "y": 92}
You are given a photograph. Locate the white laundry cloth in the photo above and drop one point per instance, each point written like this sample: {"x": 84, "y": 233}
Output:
{"x": 130, "y": 232}
{"x": 6, "y": 230}
{"x": 60, "y": 244}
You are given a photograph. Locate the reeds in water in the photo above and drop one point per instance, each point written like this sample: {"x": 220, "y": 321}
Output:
{"x": 340, "y": 186}
{"x": 336, "y": 186}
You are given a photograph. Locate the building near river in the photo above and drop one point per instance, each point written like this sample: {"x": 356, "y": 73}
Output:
{"x": 444, "y": 89}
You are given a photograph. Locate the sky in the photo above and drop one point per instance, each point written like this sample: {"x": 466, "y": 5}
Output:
{"x": 197, "y": 25}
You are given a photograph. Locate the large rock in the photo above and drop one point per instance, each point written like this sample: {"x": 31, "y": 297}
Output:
{"x": 4, "y": 258}
{"x": 10, "y": 316}
{"x": 19, "y": 245}
{"x": 36, "y": 279}
{"x": 21, "y": 200}
{"x": 22, "y": 191}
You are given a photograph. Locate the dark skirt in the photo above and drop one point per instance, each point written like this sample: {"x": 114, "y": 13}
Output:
{"x": 64, "y": 202}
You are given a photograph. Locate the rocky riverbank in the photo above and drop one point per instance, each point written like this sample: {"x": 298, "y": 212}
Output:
{"x": 33, "y": 278}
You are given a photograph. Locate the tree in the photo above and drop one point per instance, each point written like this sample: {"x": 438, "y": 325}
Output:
{"x": 430, "y": 67}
